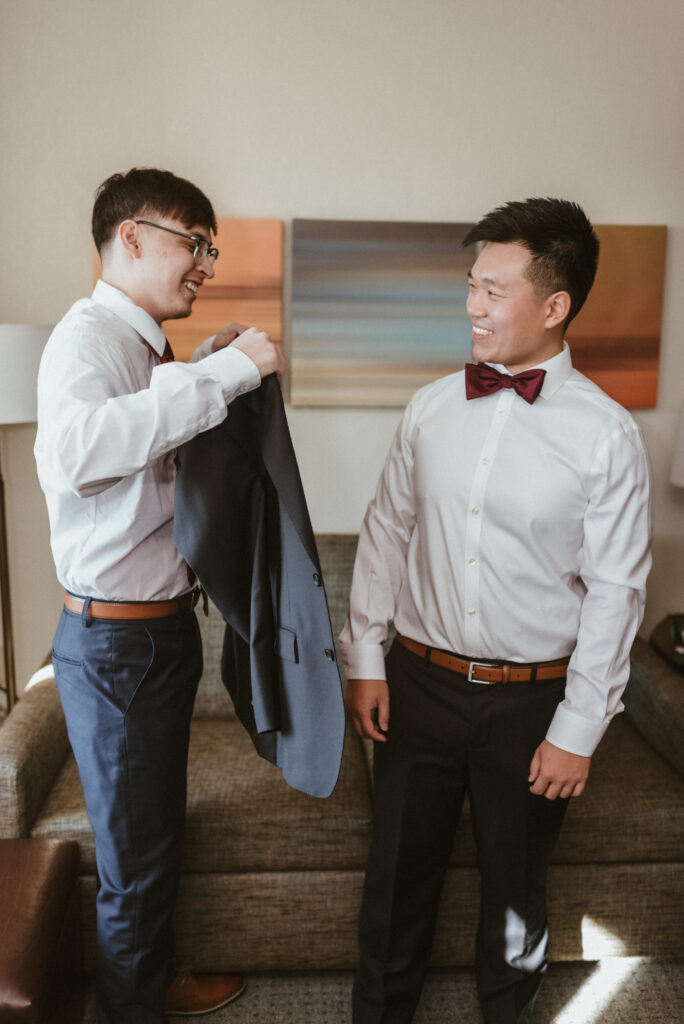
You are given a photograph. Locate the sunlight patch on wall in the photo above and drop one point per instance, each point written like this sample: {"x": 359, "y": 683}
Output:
{"x": 598, "y": 941}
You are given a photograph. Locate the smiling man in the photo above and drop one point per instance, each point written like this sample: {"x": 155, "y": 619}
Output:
{"x": 508, "y": 542}
{"x": 112, "y": 408}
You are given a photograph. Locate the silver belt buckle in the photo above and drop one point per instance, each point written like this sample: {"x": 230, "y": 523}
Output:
{"x": 481, "y": 664}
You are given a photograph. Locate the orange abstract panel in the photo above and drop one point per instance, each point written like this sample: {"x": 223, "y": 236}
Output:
{"x": 615, "y": 340}
{"x": 247, "y": 285}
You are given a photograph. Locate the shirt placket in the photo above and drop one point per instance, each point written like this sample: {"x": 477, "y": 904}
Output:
{"x": 477, "y": 510}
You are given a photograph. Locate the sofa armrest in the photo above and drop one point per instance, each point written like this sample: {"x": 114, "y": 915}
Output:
{"x": 654, "y": 703}
{"x": 33, "y": 748}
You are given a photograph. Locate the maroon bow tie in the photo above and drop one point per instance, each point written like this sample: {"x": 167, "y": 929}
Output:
{"x": 481, "y": 380}
{"x": 167, "y": 355}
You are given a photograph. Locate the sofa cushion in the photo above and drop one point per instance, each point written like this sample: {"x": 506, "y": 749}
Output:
{"x": 654, "y": 702}
{"x": 595, "y": 910}
{"x": 33, "y": 748}
{"x": 242, "y": 816}
{"x": 632, "y": 810}
{"x": 257, "y": 921}
{"x": 63, "y": 815}
{"x": 337, "y": 552}
{"x": 213, "y": 700}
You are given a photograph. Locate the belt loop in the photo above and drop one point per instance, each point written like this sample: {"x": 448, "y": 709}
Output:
{"x": 428, "y": 655}
{"x": 533, "y": 673}
{"x": 85, "y": 618}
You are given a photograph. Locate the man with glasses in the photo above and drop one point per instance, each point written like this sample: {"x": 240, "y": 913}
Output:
{"x": 112, "y": 408}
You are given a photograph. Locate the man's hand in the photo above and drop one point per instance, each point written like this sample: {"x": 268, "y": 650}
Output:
{"x": 366, "y": 699}
{"x": 555, "y": 772}
{"x": 256, "y": 344}
{"x": 227, "y": 335}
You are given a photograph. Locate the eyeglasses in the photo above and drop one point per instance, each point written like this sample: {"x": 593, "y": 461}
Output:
{"x": 202, "y": 247}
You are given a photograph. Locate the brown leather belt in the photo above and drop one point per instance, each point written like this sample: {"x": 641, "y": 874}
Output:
{"x": 132, "y": 610}
{"x": 489, "y": 672}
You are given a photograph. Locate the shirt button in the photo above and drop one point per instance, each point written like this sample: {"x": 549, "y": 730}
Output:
{"x": 475, "y": 511}
{"x": 486, "y": 458}
{"x": 317, "y": 580}
{"x": 330, "y": 654}
{"x": 472, "y": 561}
{"x": 472, "y": 611}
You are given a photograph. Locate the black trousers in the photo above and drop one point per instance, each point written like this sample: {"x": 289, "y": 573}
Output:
{"x": 447, "y": 737}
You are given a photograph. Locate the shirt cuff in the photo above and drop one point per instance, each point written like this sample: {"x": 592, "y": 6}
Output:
{"x": 574, "y": 733}
{"x": 363, "y": 661}
{"x": 235, "y": 371}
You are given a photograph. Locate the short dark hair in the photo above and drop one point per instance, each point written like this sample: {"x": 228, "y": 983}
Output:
{"x": 144, "y": 192}
{"x": 562, "y": 244}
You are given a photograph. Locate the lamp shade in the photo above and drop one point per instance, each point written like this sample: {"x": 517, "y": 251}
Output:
{"x": 677, "y": 474}
{"x": 21, "y": 346}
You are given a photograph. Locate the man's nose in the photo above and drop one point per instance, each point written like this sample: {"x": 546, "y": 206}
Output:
{"x": 207, "y": 267}
{"x": 474, "y": 304}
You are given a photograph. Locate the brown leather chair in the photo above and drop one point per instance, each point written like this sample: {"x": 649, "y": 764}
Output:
{"x": 39, "y": 934}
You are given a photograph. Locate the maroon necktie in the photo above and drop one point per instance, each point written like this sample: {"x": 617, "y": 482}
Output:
{"x": 481, "y": 380}
{"x": 167, "y": 354}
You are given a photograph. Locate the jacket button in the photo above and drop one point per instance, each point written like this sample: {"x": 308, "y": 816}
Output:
{"x": 330, "y": 654}
{"x": 317, "y": 579}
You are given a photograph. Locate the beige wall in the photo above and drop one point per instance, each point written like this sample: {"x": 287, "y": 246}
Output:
{"x": 392, "y": 109}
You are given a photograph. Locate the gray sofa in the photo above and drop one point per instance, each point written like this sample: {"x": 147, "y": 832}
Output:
{"x": 273, "y": 878}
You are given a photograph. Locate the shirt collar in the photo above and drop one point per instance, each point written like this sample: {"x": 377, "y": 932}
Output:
{"x": 121, "y": 305}
{"x": 558, "y": 369}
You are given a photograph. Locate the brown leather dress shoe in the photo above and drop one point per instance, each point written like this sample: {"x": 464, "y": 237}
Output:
{"x": 194, "y": 994}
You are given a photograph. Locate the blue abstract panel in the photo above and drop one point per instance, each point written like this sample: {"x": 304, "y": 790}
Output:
{"x": 378, "y": 309}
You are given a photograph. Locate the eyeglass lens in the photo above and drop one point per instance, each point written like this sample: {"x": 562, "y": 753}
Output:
{"x": 202, "y": 250}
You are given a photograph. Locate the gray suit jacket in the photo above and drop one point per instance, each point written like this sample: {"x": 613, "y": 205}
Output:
{"x": 242, "y": 524}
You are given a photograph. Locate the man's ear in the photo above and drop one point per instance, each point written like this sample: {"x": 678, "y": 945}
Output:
{"x": 557, "y": 309}
{"x": 129, "y": 237}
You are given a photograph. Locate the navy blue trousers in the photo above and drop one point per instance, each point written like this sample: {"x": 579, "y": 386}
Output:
{"x": 127, "y": 689}
{"x": 447, "y": 737}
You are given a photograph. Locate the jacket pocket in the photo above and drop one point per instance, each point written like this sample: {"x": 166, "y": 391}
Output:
{"x": 286, "y": 644}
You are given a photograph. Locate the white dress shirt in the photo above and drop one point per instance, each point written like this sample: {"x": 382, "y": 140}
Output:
{"x": 503, "y": 530}
{"x": 109, "y": 419}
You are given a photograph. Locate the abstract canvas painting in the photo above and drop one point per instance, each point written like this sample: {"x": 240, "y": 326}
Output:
{"x": 378, "y": 308}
